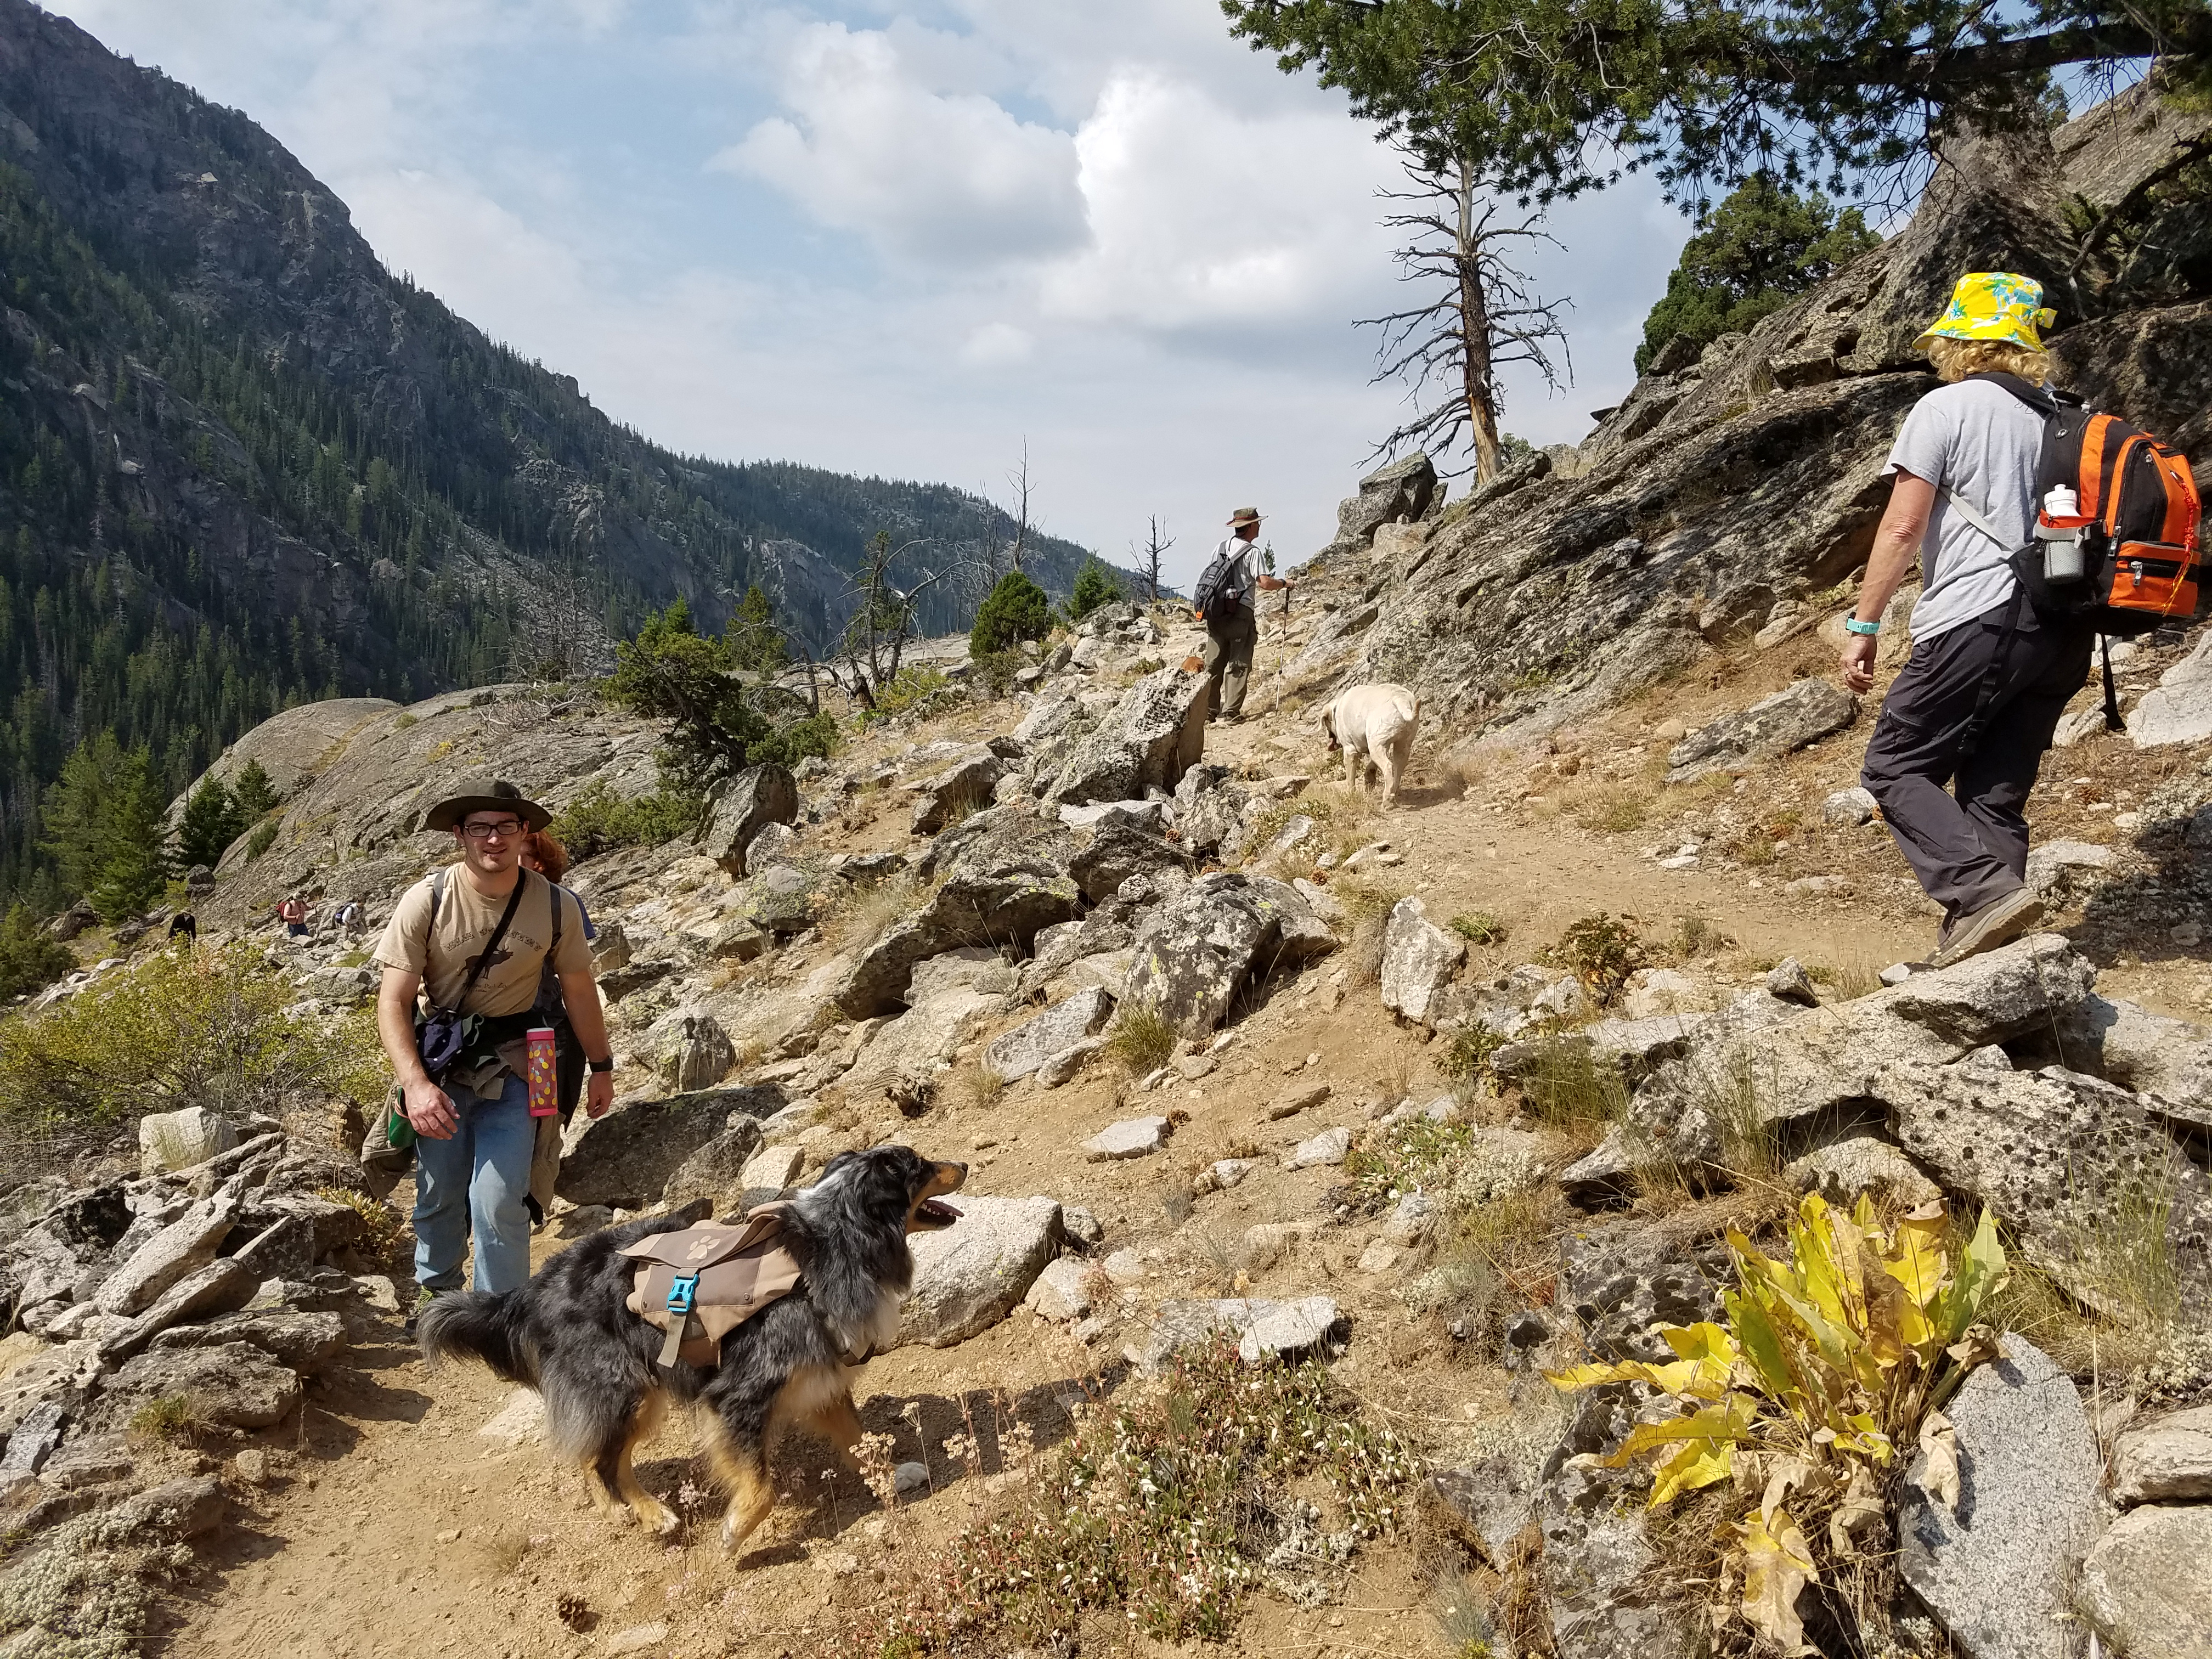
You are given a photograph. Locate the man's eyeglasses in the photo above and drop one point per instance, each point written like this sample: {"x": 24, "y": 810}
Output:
{"x": 506, "y": 830}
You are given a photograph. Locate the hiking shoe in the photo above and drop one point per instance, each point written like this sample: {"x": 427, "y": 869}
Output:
{"x": 1999, "y": 922}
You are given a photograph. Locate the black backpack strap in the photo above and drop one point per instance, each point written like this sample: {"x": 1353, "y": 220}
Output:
{"x": 1993, "y": 676}
{"x": 2113, "y": 720}
{"x": 2044, "y": 400}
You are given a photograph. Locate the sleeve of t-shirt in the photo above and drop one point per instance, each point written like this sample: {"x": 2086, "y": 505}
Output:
{"x": 1924, "y": 444}
{"x": 574, "y": 955}
{"x": 407, "y": 942}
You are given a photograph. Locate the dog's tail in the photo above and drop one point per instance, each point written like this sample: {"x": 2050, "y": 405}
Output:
{"x": 481, "y": 1325}
{"x": 1407, "y": 702}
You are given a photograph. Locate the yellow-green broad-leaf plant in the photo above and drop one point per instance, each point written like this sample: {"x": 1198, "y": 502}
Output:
{"x": 1832, "y": 1363}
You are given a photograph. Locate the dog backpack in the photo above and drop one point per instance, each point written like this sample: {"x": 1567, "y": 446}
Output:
{"x": 700, "y": 1283}
{"x": 1215, "y": 598}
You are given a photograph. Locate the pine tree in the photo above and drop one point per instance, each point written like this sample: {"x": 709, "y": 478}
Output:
{"x": 253, "y": 796}
{"x": 211, "y": 822}
{"x": 1017, "y": 609}
{"x": 756, "y": 642}
{"x": 103, "y": 823}
{"x": 1094, "y": 585}
{"x": 1751, "y": 255}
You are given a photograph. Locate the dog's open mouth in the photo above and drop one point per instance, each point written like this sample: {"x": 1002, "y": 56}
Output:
{"x": 935, "y": 1212}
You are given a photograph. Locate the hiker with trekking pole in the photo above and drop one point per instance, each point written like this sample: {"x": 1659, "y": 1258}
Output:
{"x": 1223, "y": 600}
{"x": 2039, "y": 526}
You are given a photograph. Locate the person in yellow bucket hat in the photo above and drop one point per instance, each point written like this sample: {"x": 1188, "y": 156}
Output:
{"x": 1965, "y": 725}
{"x": 1993, "y": 305}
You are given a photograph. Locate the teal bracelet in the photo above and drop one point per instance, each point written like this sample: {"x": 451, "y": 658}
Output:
{"x": 1853, "y": 625}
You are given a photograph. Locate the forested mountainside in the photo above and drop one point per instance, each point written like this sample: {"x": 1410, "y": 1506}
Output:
{"x": 242, "y": 464}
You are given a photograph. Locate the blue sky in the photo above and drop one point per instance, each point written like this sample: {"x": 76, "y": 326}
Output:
{"x": 901, "y": 238}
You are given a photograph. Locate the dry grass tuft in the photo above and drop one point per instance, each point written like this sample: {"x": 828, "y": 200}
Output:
{"x": 177, "y": 1419}
{"x": 975, "y": 1083}
{"x": 1141, "y": 1041}
{"x": 858, "y": 916}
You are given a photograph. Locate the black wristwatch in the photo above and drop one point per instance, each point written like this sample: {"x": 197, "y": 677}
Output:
{"x": 597, "y": 1066}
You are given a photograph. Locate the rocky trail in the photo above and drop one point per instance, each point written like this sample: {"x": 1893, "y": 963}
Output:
{"x": 1425, "y": 1101}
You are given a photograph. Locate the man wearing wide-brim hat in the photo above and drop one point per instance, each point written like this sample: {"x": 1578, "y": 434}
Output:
{"x": 1231, "y": 632}
{"x": 475, "y": 939}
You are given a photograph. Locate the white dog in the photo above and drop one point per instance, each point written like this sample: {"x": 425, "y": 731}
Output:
{"x": 1375, "y": 726}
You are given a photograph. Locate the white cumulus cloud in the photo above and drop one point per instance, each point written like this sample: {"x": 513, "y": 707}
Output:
{"x": 947, "y": 178}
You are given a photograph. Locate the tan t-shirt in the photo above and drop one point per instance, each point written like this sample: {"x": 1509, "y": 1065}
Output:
{"x": 465, "y": 921}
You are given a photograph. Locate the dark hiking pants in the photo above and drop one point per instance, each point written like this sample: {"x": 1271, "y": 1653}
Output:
{"x": 1968, "y": 844}
{"x": 1229, "y": 663}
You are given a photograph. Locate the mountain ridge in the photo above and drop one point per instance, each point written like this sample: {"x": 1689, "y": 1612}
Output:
{"x": 244, "y": 465}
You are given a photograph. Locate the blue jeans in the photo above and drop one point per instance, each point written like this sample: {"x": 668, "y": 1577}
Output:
{"x": 474, "y": 1183}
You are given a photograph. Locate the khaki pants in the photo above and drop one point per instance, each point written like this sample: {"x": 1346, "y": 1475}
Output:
{"x": 1229, "y": 663}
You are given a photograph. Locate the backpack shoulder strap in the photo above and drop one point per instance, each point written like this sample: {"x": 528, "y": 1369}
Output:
{"x": 2044, "y": 400}
{"x": 437, "y": 893}
{"x": 1975, "y": 517}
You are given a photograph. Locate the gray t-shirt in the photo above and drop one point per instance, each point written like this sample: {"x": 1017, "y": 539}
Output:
{"x": 1982, "y": 444}
{"x": 1240, "y": 576}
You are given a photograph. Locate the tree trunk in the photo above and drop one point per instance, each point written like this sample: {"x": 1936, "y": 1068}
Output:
{"x": 1474, "y": 338}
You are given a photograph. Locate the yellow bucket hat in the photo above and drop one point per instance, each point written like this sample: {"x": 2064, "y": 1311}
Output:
{"x": 1993, "y": 305}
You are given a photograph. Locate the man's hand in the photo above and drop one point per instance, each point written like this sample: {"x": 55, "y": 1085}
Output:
{"x": 599, "y": 1094}
{"x": 1856, "y": 661}
{"x": 430, "y": 1109}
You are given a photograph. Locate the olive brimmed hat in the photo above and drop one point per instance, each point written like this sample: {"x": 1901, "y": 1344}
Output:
{"x": 504, "y": 798}
{"x": 1244, "y": 515}
{"x": 1993, "y": 305}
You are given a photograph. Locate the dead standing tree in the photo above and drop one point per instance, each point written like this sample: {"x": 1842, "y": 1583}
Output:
{"x": 1487, "y": 317}
{"x": 883, "y": 615}
{"x": 1148, "y": 561}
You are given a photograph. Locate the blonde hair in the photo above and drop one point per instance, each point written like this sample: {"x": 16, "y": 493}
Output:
{"x": 1954, "y": 359}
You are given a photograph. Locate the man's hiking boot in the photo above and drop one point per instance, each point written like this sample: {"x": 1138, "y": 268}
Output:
{"x": 1999, "y": 922}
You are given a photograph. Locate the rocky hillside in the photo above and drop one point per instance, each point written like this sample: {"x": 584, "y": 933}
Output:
{"x": 1657, "y": 1265}
{"x": 1428, "y": 1102}
{"x": 1722, "y": 498}
{"x": 242, "y": 462}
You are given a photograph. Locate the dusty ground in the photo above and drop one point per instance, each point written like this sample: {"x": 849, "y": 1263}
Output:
{"x": 395, "y": 1528}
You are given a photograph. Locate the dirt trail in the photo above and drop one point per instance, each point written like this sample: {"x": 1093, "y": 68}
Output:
{"x": 394, "y": 1527}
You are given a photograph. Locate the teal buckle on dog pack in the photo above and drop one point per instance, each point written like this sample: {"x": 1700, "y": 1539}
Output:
{"x": 681, "y": 1291}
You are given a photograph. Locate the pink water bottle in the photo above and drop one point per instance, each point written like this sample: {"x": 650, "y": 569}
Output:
{"x": 544, "y": 1074}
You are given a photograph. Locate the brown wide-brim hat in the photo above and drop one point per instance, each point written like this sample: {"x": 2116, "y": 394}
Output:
{"x": 1244, "y": 515}
{"x": 504, "y": 798}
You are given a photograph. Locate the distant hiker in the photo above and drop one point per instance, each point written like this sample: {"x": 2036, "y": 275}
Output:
{"x": 293, "y": 913}
{"x": 1223, "y": 601}
{"x": 541, "y": 852}
{"x": 1976, "y": 704}
{"x": 474, "y": 939}
{"x": 185, "y": 926}
{"x": 352, "y": 917}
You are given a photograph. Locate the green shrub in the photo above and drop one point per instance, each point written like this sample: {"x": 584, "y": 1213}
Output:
{"x": 599, "y": 821}
{"x": 997, "y": 669}
{"x": 1602, "y": 951}
{"x": 1016, "y": 610}
{"x": 917, "y": 689}
{"x": 1094, "y": 585}
{"x": 207, "y": 1028}
{"x": 1479, "y": 927}
{"x": 31, "y": 958}
{"x": 718, "y": 724}
{"x": 263, "y": 838}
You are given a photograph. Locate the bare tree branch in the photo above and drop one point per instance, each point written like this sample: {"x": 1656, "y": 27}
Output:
{"x": 1487, "y": 317}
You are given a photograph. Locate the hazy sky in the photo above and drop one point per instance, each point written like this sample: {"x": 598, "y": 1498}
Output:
{"x": 901, "y": 237}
